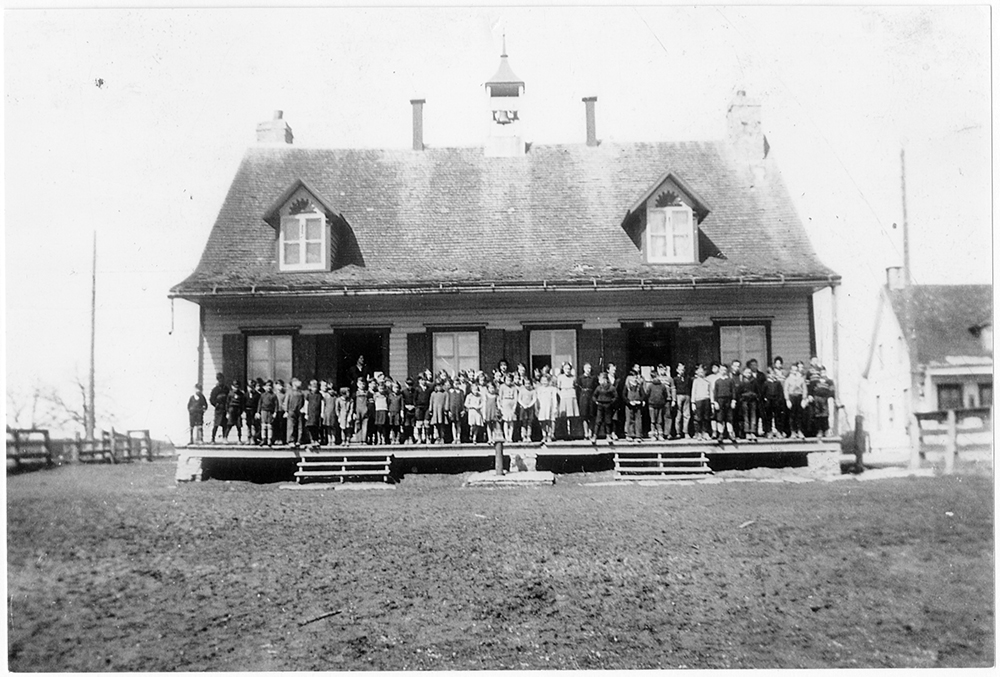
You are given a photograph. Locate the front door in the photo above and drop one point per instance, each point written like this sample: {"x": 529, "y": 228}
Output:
{"x": 371, "y": 344}
{"x": 649, "y": 346}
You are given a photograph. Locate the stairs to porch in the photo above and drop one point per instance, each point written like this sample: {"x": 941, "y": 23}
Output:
{"x": 339, "y": 466}
{"x": 660, "y": 464}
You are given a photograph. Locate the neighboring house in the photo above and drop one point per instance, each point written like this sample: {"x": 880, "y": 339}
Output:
{"x": 453, "y": 258}
{"x": 931, "y": 349}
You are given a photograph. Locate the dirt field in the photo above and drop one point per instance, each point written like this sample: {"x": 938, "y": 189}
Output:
{"x": 115, "y": 568}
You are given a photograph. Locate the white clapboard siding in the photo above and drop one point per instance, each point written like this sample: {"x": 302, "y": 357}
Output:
{"x": 787, "y": 311}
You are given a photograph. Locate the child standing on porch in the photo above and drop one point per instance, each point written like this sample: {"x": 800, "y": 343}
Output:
{"x": 795, "y": 390}
{"x": 474, "y": 413}
{"x": 395, "y": 413}
{"x": 526, "y": 400}
{"x": 491, "y": 413}
{"x": 361, "y": 412}
{"x": 293, "y": 403}
{"x": 329, "y": 413}
{"x": 605, "y": 398}
{"x": 437, "y": 414}
{"x": 657, "y": 399}
{"x": 345, "y": 415}
{"x": 569, "y": 407}
{"x": 548, "y": 407}
{"x": 235, "y": 402}
{"x": 197, "y": 404}
{"x": 507, "y": 402}
{"x": 422, "y": 405}
{"x": 266, "y": 407}
{"x": 701, "y": 398}
{"x": 381, "y": 401}
{"x": 456, "y": 399}
{"x": 409, "y": 411}
{"x": 314, "y": 414}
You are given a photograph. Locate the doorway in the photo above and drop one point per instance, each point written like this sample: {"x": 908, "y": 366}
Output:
{"x": 372, "y": 344}
{"x": 649, "y": 346}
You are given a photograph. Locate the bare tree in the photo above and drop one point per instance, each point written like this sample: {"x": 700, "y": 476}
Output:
{"x": 46, "y": 406}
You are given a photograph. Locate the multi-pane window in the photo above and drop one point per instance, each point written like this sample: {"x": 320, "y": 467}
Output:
{"x": 949, "y": 396}
{"x": 269, "y": 357}
{"x": 456, "y": 351}
{"x": 303, "y": 242}
{"x": 670, "y": 235}
{"x": 552, "y": 347}
{"x": 744, "y": 343}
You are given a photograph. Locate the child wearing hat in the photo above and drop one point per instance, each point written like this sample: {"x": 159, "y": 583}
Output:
{"x": 196, "y": 406}
{"x": 235, "y": 402}
{"x": 266, "y": 408}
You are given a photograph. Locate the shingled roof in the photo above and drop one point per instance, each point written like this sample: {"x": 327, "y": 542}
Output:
{"x": 939, "y": 318}
{"x": 453, "y": 216}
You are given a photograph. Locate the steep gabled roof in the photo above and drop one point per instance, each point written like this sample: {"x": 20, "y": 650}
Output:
{"x": 936, "y": 320}
{"x": 452, "y": 215}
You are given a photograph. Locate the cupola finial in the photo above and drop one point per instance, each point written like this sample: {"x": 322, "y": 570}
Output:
{"x": 503, "y": 55}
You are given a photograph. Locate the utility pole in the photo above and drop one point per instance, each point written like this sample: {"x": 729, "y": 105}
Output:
{"x": 906, "y": 223}
{"x": 89, "y": 425}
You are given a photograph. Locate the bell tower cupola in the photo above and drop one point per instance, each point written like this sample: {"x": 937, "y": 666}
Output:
{"x": 504, "y": 91}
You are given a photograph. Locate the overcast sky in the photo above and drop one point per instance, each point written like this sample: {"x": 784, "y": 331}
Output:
{"x": 131, "y": 123}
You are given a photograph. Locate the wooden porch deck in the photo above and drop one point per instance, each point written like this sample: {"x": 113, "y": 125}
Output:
{"x": 190, "y": 458}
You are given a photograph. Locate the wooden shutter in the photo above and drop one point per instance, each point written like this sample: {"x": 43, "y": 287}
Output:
{"x": 418, "y": 352}
{"x": 615, "y": 349}
{"x": 696, "y": 345}
{"x": 327, "y": 346}
{"x": 516, "y": 347}
{"x": 304, "y": 357}
{"x": 234, "y": 357}
{"x": 588, "y": 348}
{"x": 492, "y": 349}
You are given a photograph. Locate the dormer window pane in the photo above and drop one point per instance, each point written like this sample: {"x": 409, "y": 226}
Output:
{"x": 303, "y": 242}
{"x": 670, "y": 235}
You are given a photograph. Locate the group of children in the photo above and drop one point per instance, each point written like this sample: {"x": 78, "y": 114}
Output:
{"x": 718, "y": 402}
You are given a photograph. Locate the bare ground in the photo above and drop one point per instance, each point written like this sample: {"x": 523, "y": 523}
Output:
{"x": 115, "y": 568}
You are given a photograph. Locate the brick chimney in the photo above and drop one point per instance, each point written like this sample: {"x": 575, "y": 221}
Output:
{"x": 589, "y": 102}
{"x": 418, "y": 123}
{"x": 275, "y": 130}
{"x": 746, "y": 136}
{"x": 894, "y": 278}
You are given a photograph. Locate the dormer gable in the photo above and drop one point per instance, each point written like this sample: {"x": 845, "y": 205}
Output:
{"x": 306, "y": 229}
{"x": 663, "y": 223}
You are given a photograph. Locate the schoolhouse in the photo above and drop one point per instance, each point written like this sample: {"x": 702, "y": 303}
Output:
{"x": 453, "y": 258}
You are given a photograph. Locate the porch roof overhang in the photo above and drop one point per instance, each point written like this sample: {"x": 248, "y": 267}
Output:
{"x": 812, "y": 282}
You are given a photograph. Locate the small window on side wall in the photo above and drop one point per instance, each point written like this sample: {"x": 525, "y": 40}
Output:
{"x": 670, "y": 235}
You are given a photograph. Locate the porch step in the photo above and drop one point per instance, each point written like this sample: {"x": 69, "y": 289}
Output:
{"x": 342, "y": 465}
{"x": 659, "y": 478}
{"x": 648, "y": 464}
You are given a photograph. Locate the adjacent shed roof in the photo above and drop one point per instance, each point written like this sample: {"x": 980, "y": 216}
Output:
{"x": 936, "y": 320}
{"x": 452, "y": 215}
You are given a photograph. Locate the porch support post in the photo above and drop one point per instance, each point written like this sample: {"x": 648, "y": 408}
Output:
{"x": 835, "y": 367}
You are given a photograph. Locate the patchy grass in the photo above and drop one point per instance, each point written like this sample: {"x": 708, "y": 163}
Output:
{"x": 115, "y": 568}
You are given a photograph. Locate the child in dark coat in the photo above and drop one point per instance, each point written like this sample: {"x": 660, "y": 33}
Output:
{"x": 314, "y": 414}
{"x": 235, "y": 403}
{"x": 293, "y": 412}
{"x": 196, "y": 406}
{"x": 657, "y": 397}
{"x": 605, "y": 400}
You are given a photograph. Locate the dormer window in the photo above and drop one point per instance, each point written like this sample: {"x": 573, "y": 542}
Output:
{"x": 302, "y": 242}
{"x": 664, "y": 223}
{"x": 306, "y": 229}
{"x": 670, "y": 235}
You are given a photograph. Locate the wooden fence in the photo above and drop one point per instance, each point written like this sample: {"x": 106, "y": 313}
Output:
{"x": 951, "y": 433}
{"x": 114, "y": 447}
{"x": 29, "y": 449}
